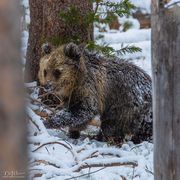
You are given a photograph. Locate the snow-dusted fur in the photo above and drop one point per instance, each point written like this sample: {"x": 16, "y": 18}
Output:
{"x": 92, "y": 85}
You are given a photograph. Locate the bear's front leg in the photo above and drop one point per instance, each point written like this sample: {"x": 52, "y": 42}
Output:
{"x": 76, "y": 121}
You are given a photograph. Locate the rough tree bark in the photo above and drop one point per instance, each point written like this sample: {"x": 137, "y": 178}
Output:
{"x": 12, "y": 117}
{"x": 166, "y": 90}
{"x": 46, "y": 24}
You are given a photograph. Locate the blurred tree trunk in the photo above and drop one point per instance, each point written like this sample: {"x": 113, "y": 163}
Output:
{"x": 166, "y": 90}
{"x": 12, "y": 116}
{"x": 46, "y": 26}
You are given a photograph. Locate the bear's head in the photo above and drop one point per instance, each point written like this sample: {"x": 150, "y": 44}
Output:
{"x": 61, "y": 69}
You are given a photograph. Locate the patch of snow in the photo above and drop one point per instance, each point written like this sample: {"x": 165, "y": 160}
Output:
{"x": 172, "y": 3}
{"x": 31, "y": 84}
{"x": 37, "y": 120}
{"x": 142, "y": 59}
{"x": 130, "y": 36}
{"x": 144, "y": 5}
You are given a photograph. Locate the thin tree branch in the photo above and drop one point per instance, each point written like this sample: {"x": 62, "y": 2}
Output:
{"x": 84, "y": 166}
{"x": 172, "y": 4}
{"x": 93, "y": 172}
{"x": 41, "y": 103}
{"x": 62, "y": 144}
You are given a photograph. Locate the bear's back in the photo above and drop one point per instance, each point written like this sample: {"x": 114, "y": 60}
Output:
{"x": 127, "y": 89}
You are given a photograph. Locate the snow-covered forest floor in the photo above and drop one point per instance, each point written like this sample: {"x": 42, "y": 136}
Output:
{"x": 52, "y": 155}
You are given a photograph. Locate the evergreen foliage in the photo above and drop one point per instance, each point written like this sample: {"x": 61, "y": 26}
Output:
{"x": 127, "y": 25}
{"x": 104, "y": 12}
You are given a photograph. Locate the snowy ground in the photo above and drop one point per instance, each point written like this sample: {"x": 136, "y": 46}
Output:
{"x": 52, "y": 155}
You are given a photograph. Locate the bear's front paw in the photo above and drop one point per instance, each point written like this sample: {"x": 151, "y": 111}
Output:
{"x": 61, "y": 119}
{"x": 52, "y": 123}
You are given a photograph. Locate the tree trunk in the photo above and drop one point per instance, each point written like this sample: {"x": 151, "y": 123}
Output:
{"x": 46, "y": 26}
{"x": 12, "y": 116}
{"x": 166, "y": 90}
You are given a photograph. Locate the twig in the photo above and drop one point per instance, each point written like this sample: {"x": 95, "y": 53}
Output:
{"x": 90, "y": 155}
{"x": 58, "y": 106}
{"x": 45, "y": 94}
{"x": 46, "y": 163}
{"x": 84, "y": 166}
{"x": 42, "y": 145}
{"x": 136, "y": 147}
{"x": 103, "y": 152}
{"x": 41, "y": 103}
{"x": 38, "y": 124}
{"x": 50, "y": 93}
{"x": 47, "y": 150}
{"x": 68, "y": 143}
{"x": 80, "y": 150}
{"x": 147, "y": 170}
{"x": 96, "y": 9}
{"x": 41, "y": 87}
{"x": 87, "y": 174}
{"x": 62, "y": 144}
{"x": 35, "y": 124}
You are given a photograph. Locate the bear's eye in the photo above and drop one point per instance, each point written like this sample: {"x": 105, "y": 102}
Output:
{"x": 45, "y": 73}
{"x": 56, "y": 73}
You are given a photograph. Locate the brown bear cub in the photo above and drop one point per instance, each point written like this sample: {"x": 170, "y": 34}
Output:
{"x": 91, "y": 85}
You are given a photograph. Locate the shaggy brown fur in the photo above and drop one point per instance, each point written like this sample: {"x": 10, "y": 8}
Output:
{"x": 91, "y": 85}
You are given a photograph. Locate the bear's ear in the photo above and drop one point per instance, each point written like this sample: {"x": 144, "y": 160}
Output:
{"x": 72, "y": 51}
{"x": 46, "y": 48}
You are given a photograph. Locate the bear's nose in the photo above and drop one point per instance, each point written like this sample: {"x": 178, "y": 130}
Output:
{"x": 48, "y": 86}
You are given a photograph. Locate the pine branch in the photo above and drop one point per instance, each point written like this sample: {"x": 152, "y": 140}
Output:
{"x": 110, "y": 52}
{"x": 103, "y": 49}
{"x": 72, "y": 17}
{"x": 128, "y": 49}
{"x": 122, "y": 8}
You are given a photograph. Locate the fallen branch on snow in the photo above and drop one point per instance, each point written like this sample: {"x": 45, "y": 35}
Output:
{"x": 74, "y": 154}
{"x": 101, "y": 164}
{"x": 87, "y": 174}
{"x": 35, "y": 119}
{"x": 41, "y": 103}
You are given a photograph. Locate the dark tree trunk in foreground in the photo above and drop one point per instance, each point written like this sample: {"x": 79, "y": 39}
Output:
{"x": 12, "y": 119}
{"x": 166, "y": 83}
{"x": 47, "y": 26}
